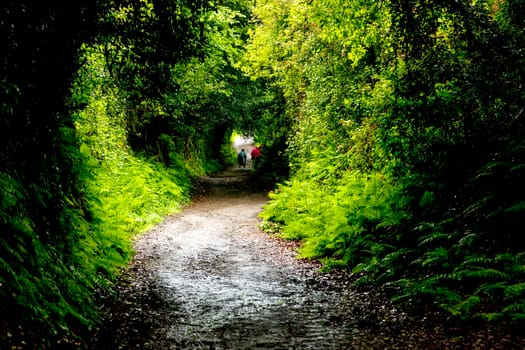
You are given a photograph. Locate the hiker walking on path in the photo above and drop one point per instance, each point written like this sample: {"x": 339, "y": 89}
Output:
{"x": 241, "y": 158}
{"x": 256, "y": 153}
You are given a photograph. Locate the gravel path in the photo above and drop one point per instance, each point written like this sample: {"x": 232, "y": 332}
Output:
{"x": 208, "y": 278}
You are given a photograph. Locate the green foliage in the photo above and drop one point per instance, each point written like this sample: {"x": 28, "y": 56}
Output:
{"x": 183, "y": 100}
{"x": 127, "y": 193}
{"x": 345, "y": 223}
{"x": 405, "y": 143}
{"x": 90, "y": 159}
{"x": 42, "y": 207}
{"x": 400, "y": 123}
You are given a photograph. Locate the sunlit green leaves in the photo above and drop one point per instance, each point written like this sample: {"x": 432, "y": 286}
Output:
{"x": 404, "y": 94}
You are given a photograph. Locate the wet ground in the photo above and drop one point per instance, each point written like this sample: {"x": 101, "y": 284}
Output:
{"x": 208, "y": 278}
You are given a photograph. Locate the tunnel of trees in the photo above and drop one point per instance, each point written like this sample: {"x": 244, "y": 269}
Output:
{"x": 393, "y": 136}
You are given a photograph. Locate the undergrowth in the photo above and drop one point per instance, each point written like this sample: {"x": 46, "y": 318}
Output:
{"x": 364, "y": 223}
{"x": 340, "y": 225}
{"x": 122, "y": 194}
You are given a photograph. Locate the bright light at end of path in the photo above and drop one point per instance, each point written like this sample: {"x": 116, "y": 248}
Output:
{"x": 242, "y": 140}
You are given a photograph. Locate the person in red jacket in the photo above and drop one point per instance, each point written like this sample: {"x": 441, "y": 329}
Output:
{"x": 256, "y": 153}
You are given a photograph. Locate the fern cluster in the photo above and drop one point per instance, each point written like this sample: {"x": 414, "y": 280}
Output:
{"x": 343, "y": 225}
{"x": 405, "y": 145}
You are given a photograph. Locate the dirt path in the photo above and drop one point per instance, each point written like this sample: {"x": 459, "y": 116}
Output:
{"x": 208, "y": 278}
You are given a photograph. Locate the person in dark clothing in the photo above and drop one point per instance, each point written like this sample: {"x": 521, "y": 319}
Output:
{"x": 241, "y": 159}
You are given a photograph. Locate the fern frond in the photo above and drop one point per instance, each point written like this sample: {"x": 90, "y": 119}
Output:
{"x": 491, "y": 288}
{"x": 467, "y": 240}
{"x": 514, "y": 308}
{"x": 515, "y": 291}
{"x": 447, "y": 297}
{"x": 517, "y": 167}
{"x": 433, "y": 237}
{"x": 466, "y": 306}
{"x": 424, "y": 226}
{"x": 493, "y": 165}
{"x": 478, "y": 205}
{"x": 477, "y": 261}
{"x": 435, "y": 257}
{"x": 516, "y": 208}
{"x": 394, "y": 256}
{"x": 507, "y": 258}
{"x": 438, "y": 278}
{"x": 485, "y": 274}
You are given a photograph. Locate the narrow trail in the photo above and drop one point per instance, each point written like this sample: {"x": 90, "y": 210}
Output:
{"x": 208, "y": 278}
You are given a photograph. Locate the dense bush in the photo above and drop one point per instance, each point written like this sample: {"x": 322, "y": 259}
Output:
{"x": 109, "y": 110}
{"x": 406, "y": 143}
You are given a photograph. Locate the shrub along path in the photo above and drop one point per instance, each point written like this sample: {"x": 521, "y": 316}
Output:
{"x": 208, "y": 278}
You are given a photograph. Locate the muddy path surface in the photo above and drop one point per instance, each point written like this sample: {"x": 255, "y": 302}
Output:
{"x": 208, "y": 278}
